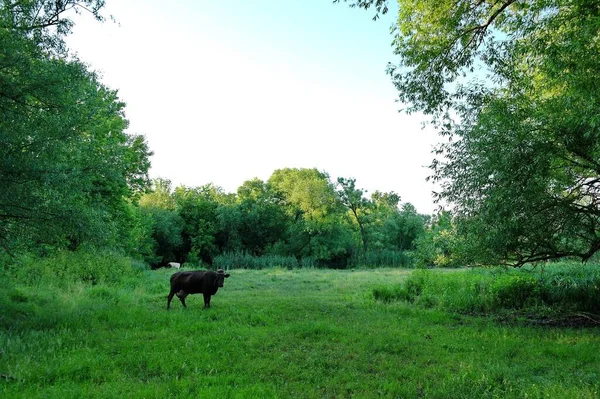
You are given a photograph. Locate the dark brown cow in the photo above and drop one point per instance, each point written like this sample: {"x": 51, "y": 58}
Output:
{"x": 196, "y": 282}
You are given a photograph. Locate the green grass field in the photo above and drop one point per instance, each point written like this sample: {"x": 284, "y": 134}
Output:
{"x": 276, "y": 333}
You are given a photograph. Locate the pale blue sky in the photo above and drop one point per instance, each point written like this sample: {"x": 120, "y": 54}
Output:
{"x": 226, "y": 91}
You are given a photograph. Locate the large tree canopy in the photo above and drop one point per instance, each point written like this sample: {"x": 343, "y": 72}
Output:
{"x": 514, "y": 86}
{"x": 66, "y": 164}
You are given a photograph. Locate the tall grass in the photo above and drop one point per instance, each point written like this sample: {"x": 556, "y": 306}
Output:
{"x": 243, "y": 260}
{"x": 558, "y": 288}
{"x": 371, "y": 259}
{"x": 381, "y": 258}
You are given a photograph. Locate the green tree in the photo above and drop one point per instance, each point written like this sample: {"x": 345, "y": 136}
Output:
{"x": 198, "y": 207}
{"x": 402, "y": 228}
{"x": 359, "y": 206}
{"x": 67, "y": 166}
{"x": 228, "y": 237}
{"x": 136, "y": 236}
{"x": 161, "y": 196}
{"x": 383, "y": 214}
{"x": 514, "y": 85}
{"x": 46, "y": 22}
{"x": 263, "y": 221}
{"x": 318, "y": 226}
{"x": 159, "y": 212}
{"x": 440, "y": 245}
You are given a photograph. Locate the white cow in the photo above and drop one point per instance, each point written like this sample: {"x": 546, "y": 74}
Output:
{"x": 174, "y": 265}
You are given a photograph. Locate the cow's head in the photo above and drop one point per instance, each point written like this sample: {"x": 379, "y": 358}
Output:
{"x": 221, "y": 276}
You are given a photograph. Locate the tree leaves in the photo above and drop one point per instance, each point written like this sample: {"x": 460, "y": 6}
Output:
{"x": 67, "y": 166}
{"x": 514, "y": 86}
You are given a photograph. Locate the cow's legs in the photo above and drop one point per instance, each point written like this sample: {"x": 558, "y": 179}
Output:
{"x": 169, "y": 298}
{"x": 182, "y": 295}
{"x": 207, "y": 300}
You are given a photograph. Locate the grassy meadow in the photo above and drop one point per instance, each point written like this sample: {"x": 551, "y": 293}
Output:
{"x": 276, "y": 333}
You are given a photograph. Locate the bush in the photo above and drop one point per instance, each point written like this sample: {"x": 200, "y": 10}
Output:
{"x": 409, "y": 291}
{"x": 393, "y": 293}
{"x": 514, "y": 292}
{"x": 573, "y": 286}
{"x": 440, "y": 246}
{"x": 84, "y": 265}
{"x": 560, "y": 288}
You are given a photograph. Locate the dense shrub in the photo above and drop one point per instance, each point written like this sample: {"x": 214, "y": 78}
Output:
{"x": 84, "y": 265}
{"x": 561, "y": 287}
{"x": 408, "y": 291}
{"x": 441, "y": 245}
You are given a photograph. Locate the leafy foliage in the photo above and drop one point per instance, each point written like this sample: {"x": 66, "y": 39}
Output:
{"x": 297, "y": 214}
{"x": 513, "y": 86}
{"x": 525, "y": 166}
{"x": 67, "y": 166}
{"x": 440, "y": 245}
{"x": 262, "y": 221}
{"x": 316, "y": 216}
{"x": 352, "y": 198}
{"x": 63, "y": 268}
